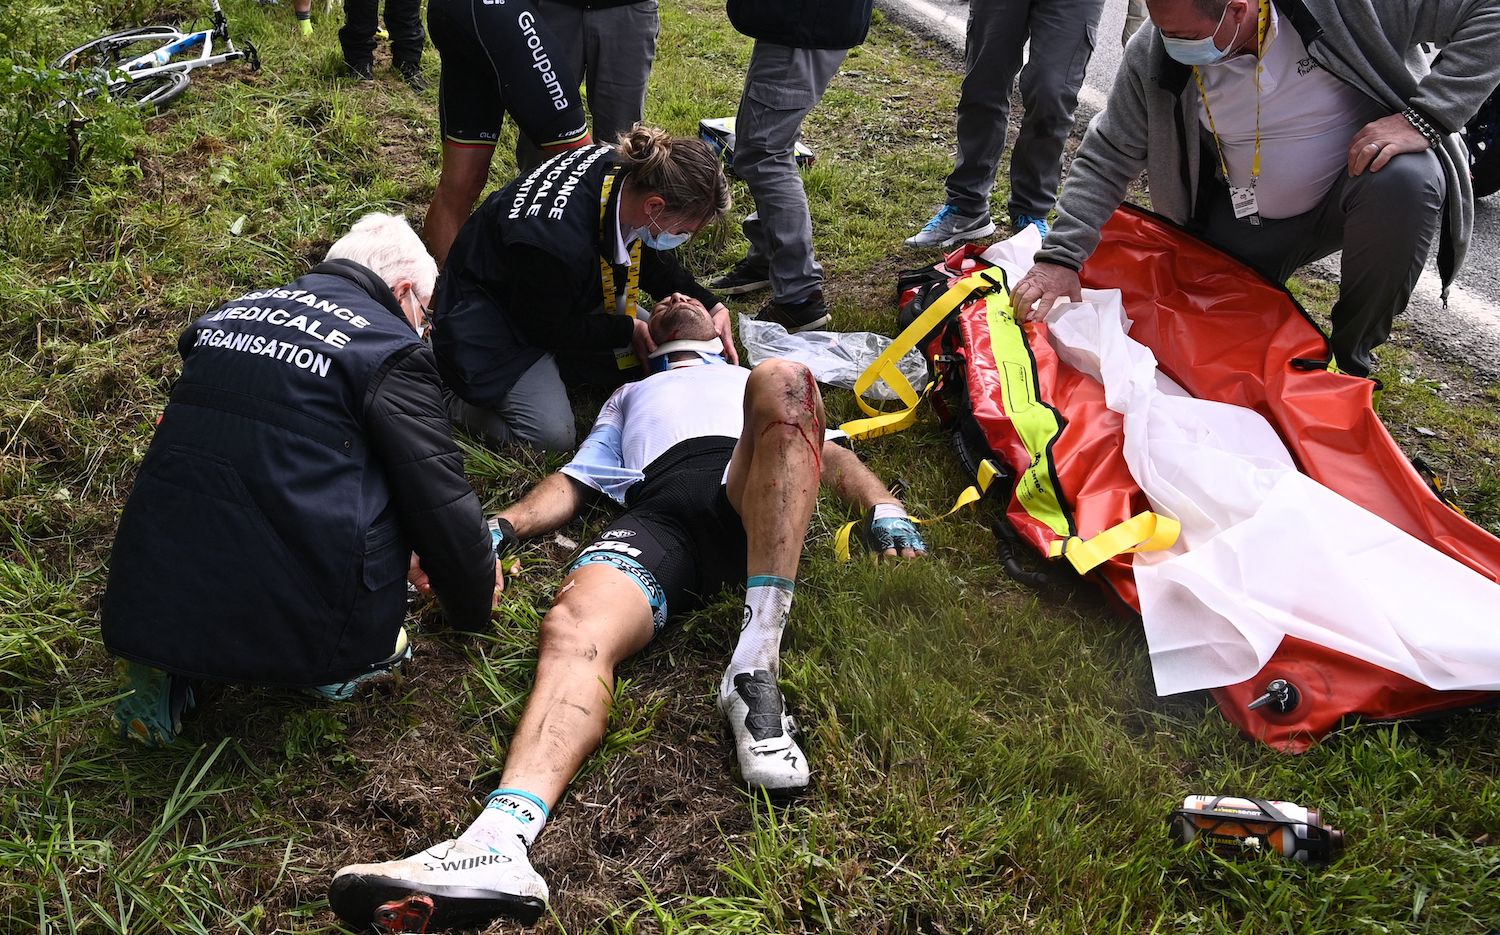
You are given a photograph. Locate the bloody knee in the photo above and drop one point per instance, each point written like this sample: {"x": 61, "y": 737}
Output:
{"x": 784, "y": 391}
{"x": 783, "y": 406}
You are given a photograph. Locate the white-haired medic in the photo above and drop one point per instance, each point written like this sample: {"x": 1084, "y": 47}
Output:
{"x": 303, "y": 457}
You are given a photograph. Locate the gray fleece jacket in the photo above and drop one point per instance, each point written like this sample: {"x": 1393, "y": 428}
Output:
{"x": 1151, "y": 119}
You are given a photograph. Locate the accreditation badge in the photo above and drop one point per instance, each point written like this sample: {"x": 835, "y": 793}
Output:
{"x": 1242, "y": 198}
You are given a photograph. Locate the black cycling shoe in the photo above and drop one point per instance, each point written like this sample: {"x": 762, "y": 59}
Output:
{"x": 745, "y": 276}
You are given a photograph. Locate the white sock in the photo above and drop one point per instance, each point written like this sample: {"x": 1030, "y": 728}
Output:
{"x": 768, "y": 601}
{"x": 507, "y": 813}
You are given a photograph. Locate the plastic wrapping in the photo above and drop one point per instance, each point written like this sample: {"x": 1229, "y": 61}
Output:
{"x": 836, "y": 358}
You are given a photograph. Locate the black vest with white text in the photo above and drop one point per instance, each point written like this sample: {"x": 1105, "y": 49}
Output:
{"x": 259, "y": 543}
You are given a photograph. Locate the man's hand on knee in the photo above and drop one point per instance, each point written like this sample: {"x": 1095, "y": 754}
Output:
{"x": 1380, "y": 141}
{"x": 889, "y": 532}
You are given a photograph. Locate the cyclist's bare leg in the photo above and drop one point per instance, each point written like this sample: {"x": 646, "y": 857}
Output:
{"x": 599, "y": 619}
{"x": 464, "y": 173}
{"x": 773, "y": 475}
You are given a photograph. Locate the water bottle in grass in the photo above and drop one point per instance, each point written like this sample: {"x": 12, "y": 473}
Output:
{"x": 1240, "y": 827}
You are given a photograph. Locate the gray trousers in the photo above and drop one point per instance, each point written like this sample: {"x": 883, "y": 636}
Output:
{"x": 1136, "y": 16}
{"x": 1062, "y": 34}
{"x": 534, "y": 413}
{"x": 610, "y": 49}
{"x": 781, "y": 85}
{"x": 1385, "y": 222}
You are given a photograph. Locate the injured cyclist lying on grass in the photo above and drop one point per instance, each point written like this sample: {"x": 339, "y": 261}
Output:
{"x": 718, "y": 468}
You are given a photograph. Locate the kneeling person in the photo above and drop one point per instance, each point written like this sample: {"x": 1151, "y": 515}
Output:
{"x": 719, "y": 468}
{"x": 304, "y": 454}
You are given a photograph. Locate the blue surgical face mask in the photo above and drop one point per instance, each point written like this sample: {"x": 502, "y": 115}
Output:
{"x": 1201, "y": 51}
{"x": 664, "y": 240}
{"x": 661, "y": 240}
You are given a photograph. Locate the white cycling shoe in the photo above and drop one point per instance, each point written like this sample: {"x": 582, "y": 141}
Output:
{"x": 449, "y": 885}
{"x": 764, "y": 732}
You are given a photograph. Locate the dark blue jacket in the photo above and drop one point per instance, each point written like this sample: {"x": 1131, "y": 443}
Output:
{"x": 303, "y": 456}
{"x": 803, "y": 24}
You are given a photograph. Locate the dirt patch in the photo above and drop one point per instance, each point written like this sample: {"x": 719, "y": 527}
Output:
{"x": 403, "y": 777}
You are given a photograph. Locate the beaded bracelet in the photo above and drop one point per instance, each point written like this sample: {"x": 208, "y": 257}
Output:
{"x": 1423, "y": 126}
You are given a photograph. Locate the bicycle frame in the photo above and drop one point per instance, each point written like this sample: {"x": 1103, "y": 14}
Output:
{"x": 160, "y": 60}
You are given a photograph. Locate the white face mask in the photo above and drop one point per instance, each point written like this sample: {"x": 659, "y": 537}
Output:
{"x": 1201, "y": 51}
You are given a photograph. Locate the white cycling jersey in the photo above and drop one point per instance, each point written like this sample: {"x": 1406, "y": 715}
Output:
{"x": 644, "y": 419}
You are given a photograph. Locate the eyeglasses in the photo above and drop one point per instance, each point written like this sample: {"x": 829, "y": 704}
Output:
{"x": 424, "y": 325}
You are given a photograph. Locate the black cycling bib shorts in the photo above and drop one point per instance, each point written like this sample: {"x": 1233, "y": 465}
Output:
{"x": 495, "y": 59}
{"x": 680, "y": 539}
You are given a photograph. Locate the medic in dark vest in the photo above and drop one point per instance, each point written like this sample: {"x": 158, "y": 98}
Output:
{"x": 303, "y": 457}
{"x": 542, "y": 284}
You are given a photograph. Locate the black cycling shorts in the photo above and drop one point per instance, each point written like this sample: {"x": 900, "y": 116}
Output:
{"x": 495, "y": 58}
{"x": 680, "y": 538}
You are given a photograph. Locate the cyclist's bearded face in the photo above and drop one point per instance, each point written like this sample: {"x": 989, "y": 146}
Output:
{"x": 681, "y": 317}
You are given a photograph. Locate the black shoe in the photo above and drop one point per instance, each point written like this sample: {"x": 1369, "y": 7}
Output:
{"x": 411, "y": 73}
{"x": 364, "y": 71}
{"x": 806, "y": 315}
{"x": 745, "y": 276}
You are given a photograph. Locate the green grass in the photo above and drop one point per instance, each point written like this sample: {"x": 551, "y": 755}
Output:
{"x": 987, "y": 759}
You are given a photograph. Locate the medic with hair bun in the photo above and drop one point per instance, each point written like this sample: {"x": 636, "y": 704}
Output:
{"x": 546, "y": 283}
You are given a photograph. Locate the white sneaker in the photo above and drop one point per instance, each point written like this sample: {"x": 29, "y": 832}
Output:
{"x": 449, "y": 885}
{"x": 769, "y": 758}
{"x": 948, "y": 227}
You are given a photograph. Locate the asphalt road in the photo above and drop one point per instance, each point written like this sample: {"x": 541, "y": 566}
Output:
{"x": 1467, "y": 330}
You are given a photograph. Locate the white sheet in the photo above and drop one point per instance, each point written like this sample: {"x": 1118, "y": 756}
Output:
{"x": 1265, "y": 551}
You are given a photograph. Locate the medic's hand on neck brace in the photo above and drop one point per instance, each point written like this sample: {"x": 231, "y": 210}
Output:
{"x": 706, "y": 352}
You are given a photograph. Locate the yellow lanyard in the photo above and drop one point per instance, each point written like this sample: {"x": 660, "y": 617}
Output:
{"x": 1260, "y": 47}
{"x": 607, "y": 270}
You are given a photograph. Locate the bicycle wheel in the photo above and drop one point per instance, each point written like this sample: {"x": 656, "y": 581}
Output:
{"x": 109, "y": 51}
{"x": 1482, "y": 136}
{"x": 153, "y": 91}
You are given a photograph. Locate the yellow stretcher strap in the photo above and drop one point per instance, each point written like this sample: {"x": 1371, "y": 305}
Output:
{"x": 1144, "y": 532}
{"x": 625, "y": 357}
{"x": 884, "y": 368}
{"x": 971, "y": 494}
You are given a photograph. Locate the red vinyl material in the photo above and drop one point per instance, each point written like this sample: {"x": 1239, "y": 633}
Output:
{"x": 1225, "y": 333}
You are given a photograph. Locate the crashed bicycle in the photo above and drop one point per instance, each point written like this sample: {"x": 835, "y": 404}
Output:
{"x": 151, "y": 66}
